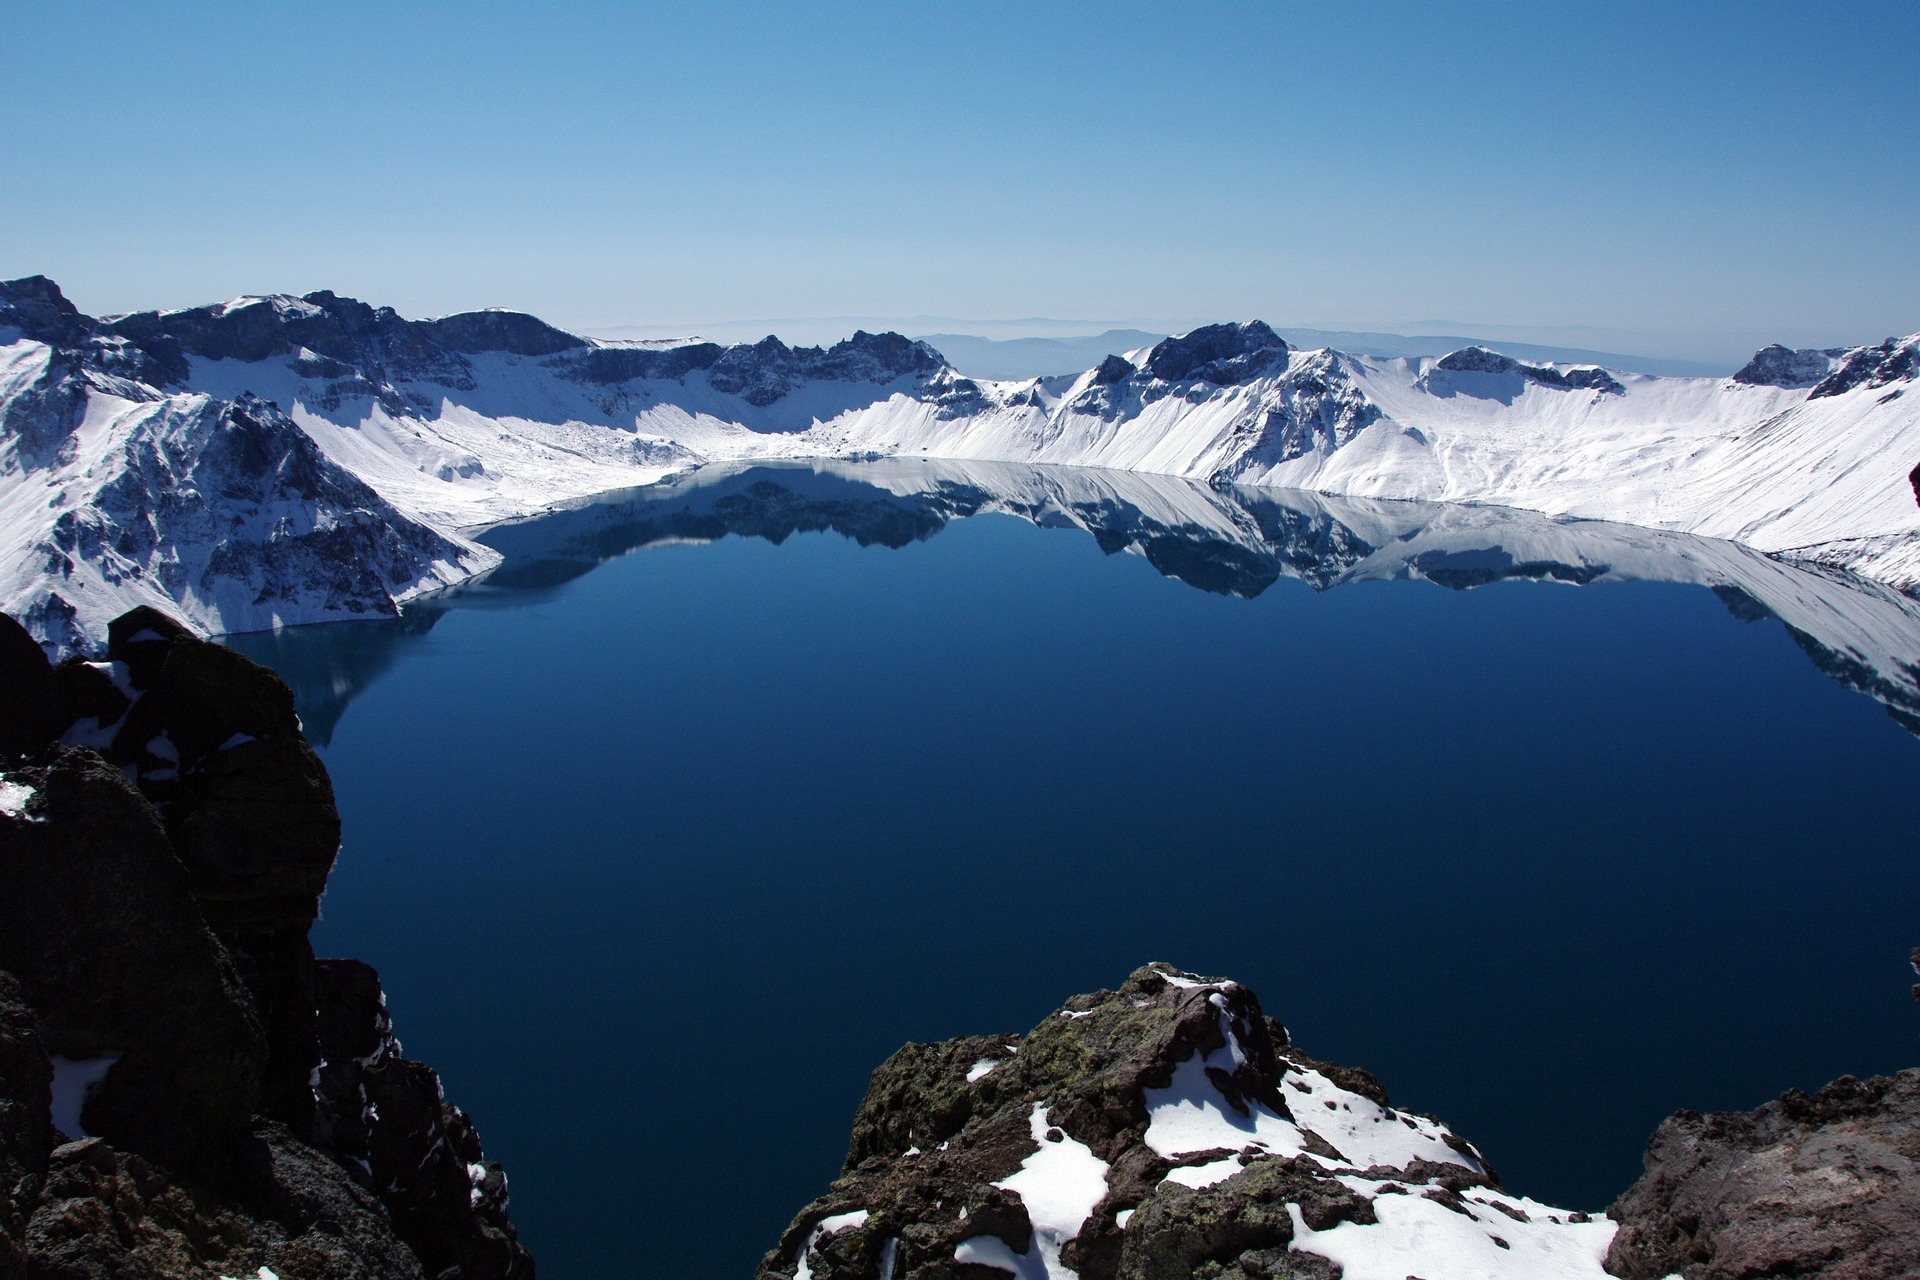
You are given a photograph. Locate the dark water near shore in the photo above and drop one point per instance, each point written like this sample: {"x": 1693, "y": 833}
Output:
{"x": 658, "y": 861}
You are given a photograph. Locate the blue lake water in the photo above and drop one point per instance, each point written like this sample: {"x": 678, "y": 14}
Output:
{"x": 712, "y": 797}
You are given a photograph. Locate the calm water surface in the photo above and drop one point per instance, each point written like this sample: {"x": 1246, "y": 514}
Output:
{"x": 658, "y": 861}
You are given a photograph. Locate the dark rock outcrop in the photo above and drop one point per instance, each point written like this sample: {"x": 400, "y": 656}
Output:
{"x": 212, "y": 740}
{"x": 105, "y": 1213}
{"x": 767, "y": 370}
{"x": 35, "y": 306}
{"x": 1778, "y": 366}
{"x": 161, "y": 1010}
{"x": 610, "y": 365}
{"x": 1168, "y": 1130}
{"x": 932, "y": 1182}
{"x": 1891, "y": 361}
{"x": 514, "y": 332}
{"x": 32, "y": 711}
{"x": 98, "y": 924}
{"x": 1481, "y": 360}
{"x": 26, "y": 1125}
{"x": 387, "y": 1113}
{"x": 1222, "y": 354}
{"x": 1824, "y": 1185}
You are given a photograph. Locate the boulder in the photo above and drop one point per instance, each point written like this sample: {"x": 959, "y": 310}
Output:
{"x": 1824, "y": 1185}
{"x": 109, "y": 1215}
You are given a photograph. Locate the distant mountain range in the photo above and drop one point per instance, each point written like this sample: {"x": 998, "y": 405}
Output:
{"x": 275, "y": 460}
{"x": 979, "y": 357}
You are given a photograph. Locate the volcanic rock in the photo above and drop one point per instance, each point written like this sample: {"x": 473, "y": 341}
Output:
{"x": 160, "y": 1005}
{"x": 1778, "y": 366}
{"x": 1167, "y": 1129}
{"x": 112, "y": 952}
{"x": 1824, "y": 1185}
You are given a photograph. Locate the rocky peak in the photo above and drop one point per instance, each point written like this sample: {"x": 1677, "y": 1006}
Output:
{"x": 514, "y": 332}
{"x": 763, "y": 372}
{"x": 1483, "y": 360}
{"x": 1778, "y": 366}
{"x": 1151, "y": 1131}
{"x": 1223, "y": 354}
{"x": 35, "y": 306}
{"x": 1477, "y": 360}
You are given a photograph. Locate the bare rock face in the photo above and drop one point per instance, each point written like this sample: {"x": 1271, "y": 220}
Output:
{"x": 111, "y": 950}
{"x": 1158, "y": 1132}
{"x": 213, "y": 743}
{"x": 1872, "y": 367}
{"x": 26, "y": 1079}
{"x": 386, "y": 1113}
{"x": 107, "y": 1214}
{"x": 184, "y": 1089}
{"x": 1778, "y": 366}
{"x": 1824, "y": 1185}
{"x": 1579, "y": 378}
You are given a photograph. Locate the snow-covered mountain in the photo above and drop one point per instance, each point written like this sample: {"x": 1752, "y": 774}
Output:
{"x": 123, "y": 479}
{"x": 114, "y": 493}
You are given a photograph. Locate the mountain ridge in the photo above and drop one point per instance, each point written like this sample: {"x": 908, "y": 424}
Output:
{"x": 416, "y": 432}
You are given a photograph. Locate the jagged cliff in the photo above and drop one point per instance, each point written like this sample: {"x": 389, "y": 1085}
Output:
{"x": 185, "y": 1090}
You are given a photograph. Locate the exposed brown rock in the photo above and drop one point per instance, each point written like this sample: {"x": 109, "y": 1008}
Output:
{"x": 1824, "y": 1185}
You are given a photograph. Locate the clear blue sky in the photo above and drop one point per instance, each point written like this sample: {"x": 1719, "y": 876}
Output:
{"x": 1679, "y": 176}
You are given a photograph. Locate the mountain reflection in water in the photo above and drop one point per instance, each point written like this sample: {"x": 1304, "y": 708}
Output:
{"x": 1230, "y": 541}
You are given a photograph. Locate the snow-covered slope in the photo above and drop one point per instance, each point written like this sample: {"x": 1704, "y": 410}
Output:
{"x": 1818, "y": 471}
{"x": 222, "y": 512}
{"x": 468, "y": 420}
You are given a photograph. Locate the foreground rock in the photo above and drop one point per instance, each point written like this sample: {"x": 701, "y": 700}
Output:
{"x": 184, "y": 1089}
{"x": 1826, "y": 1185}
{"x": 1166, "y": 1129}
{"x": 1169, "y": 1130}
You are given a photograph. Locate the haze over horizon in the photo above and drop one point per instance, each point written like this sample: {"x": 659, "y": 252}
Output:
{"x": 1678, "y": 184}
